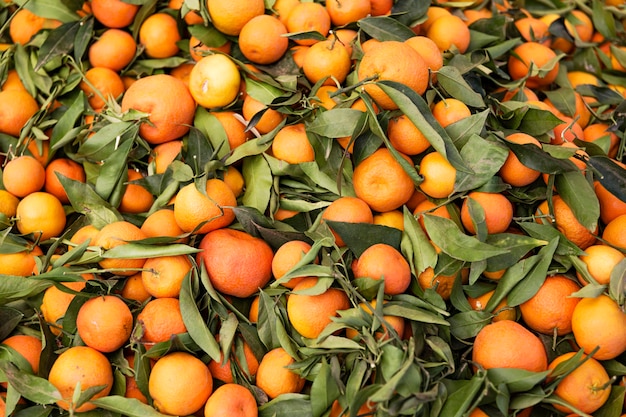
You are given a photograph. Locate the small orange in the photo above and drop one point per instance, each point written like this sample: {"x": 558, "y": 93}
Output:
{"x": 442, "y": 284}
{"x": 235, "y": 127}
{"x": 513, "y": 172}
{"x": 382, "y": 261}
{"x": 134, "y": 289}
{"x": 344, "y": 12}
{"x": 16, "y": 182}
{"x": 214, "y": 81}
{"x": 533, "y": 29}
{"x": 104, "y": 323}
{"x": 601, "y": 131}
{"x": 163, "y": 276}
{"x": 599, "y": 323}
{"x": 600, "y": 261}
{"x": 282, "y": 8}
{"x": 136, "y": 198}
{"x": 159, "y": 34}
{"x": 537, "y": 56}
{"x": 497, "y": 208}
{"x": 308, "y": 17}
{"x": 114, "y": 13}
{"x": 113, "y": 235}
{"x": 230, "y": 16}
{"x": 405, "y": 136}
{"x": 24, "y": 25}
{"x": 169, "y": 103}
{"x": 8, "y": 203}
{"x": 85, "y": 233}
{"x": 160, "y": 319}
{"x": 162, "y": 223}
{"x": 439, "y": 175}
{"x": 348, "y": 210}
{"x": 430, "y": 207}
{"x": 497, "y": 345}
{"x": 273, "y": 376}
{"x": 16, "y": 108}
{"x": 67, "y": 168}
{"x": 164, "y": 154}
{"x": 175, "y": 396}
{"x": 262, "y": 39}
{"x": 586, "y": 388}
{"x": 567, "y": 223}
{"x": 549, "y": 310}
{"x": 28, "y": 346}
{"x": 450, "y": 110}
{"x": 198, "y": 213}
{"x": 286, "y": 258}
{"x": 114, "y": 49}
{"x": 81, "y": 365}
{"x": 42, "y": 214}
{"x": 610, "y": 206}
{"x": 235, "y": 180}
{"x": 199, "y": 50}
{"x": 429, "y": 51}
{"x": 231, "y": 400}
{"x": 101, "y": 85}
{"x": 324, "y": 99}
{"x": 291, "y": 144}
{"x": 392, "y": 61}
{"x": 391, "y": 218}
{"x": 238, "y": 263}
{"x": 614, "y": 232}
{"x": 327, "y": 60}
{"x": 223, "y": 370}
{"x": 450, "y": 32}
{"x": 55, "y": 302}
{"x": 383, "y": 332}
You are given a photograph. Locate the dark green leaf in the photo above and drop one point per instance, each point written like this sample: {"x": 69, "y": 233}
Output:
{"x": 360, "y": 236}
{"x": 83, "y": 38}
{"x": 531, "y": 283}
{"x": 534, "y": 157}
{"x": 258, "y": 182}
{"x": 60, "y": 41}
{"x": 31, "y": 387}
{"x": 335, "y": 123}
{"x": 483, "y": 157}
{"x": 113, "y": 170}
{"x": 453, "y": 82}
{"x": 51, "y": 9}
{"x": 516, "y": 380}
{"x": 287, "y": 405}
{"x": 467, "y": 324}
{"x": 385, "y": 28}
{"x": 613, "y": 176}
{"x": 461, "y": 395}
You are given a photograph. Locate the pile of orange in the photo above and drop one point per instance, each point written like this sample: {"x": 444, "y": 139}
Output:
{"x": 330, "y": 207}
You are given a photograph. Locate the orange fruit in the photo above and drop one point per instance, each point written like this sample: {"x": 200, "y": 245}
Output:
{"x": 114, "y": 49}
{"x": 348, "y": 210}
{"x": 159, "y": 34}
{"x": 287, "y": 257}
{"x": 473, "y": 15}
{"x": 134, "y": 289}
{"x": 119, "y": 233}
{"x": 214, "y": 81}
{"x": 432, "y": 13}
{"x": 610, "y": 206}
{"x": 567, "y": 131}
{"x": 382, "y": 261}
{"x": 381, "y": 8}
{"x": 24, "y": 25}
{"x": 262, "y": 39}
{"x": 513, "y": 172}
{"x": 282, "y": 8}
{"x": 449, "y": 32}
{"x": 501, "y": 311}
{"x": 104, "y": 323}
{"x": 136, "y": 198}
{"x": 223, "y": 370}
{"x": 160, "y": 319}
{"x": 449, "y": 111}
{"x": 28, "y": 346}
{"x": 328, "y": 60}
{"x": 199, "y": 213}
{"x": 346, "y": 37}
{"x": 614, "y": 234}
{"x": 381, "y": 182}
{"x": 16, "y": 182}
{"x": 391, "y": 218}
{"x": 231, "y": 400}
{"x": 270, "y": 118}
{"x": 442, "y": 284}
{"x": 430, "y": 207}
{"x": 477, "y": 412}
{"x": 132, "y": 388}
{"x": 173, "y": 395}
{"x": 599, "y": 322}
{"x": 526, "y": 92}
{"x": 566, "y": 223}
{"x": 230, "y": 16}
{"x": 163, "y": 276}
{"x": 310, "y": 314}
{"x": 67, "y": 168}
{"x": 42, "y": 214}
{"x": 8, "y": 203}
{"x": 323, "y": 97}
{"x": 533, "y": 29}
{"x": 12, "y": 81}
{"x": 81, "y": 365}
{"x": 164, "y": 154}
{"x": 162, "y": 223}
{"x": 235, "y": 180}
{"x": 238, "y": 263}
{"x": 583, "y": 26}
{"x": 343, "y": 12}
{"x": 16, "y": 108}
{"x": 599, "y": 130}
{"x": 586, "y": 388}
{"x": 308, "y": 17}
{"x": 396, "y": 323}
{"x": 273, "y": 376}
{"x": 429, "y": 51}
{"x": 497, "y": 208}
{"x": 102, "y": 85}
{"x": 549, "y": 310}
{"x": 439, "y": 175}
{"x": 114, "y": 13}
{"x": 169, "y": 103}
{"x": 235, "y": 127}
{"x": 537, "y": 56}
{"x": 291, "y": 144}
{"x": 497, "y": 345}
{"x": 55, "y": 302}
{"x": 600, "y": 261}
{"x": 392, "y": 61}
{"x": 87, "y": 232}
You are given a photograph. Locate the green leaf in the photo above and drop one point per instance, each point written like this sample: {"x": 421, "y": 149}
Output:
{"x": 579, "y": 195}
{"x": 324, "y": 390}
{"x": 360, "y": 236}
{"x": 14, "y": 287}
{"x": 336, "y": 122}
{"x": 415, "y": 313}
{"x": 385, "y": 28}
{"x": 51, "y": 9}
{"x": 461, "y": 395}
{"x": 484, "y": 158}
{"x": 61, "y": 132}
{"x": 461, "y": 131}
{"x": 516, "y": 380}
{"x": 9, "y": 319}
{"x": 415, "y": 245}
{"x": 134, "y": 250}
{"x": 100, "y": 146}
{"x": 258, "y": 182}
{"x": 213, "y": 129}
{"x": 199, "y": 151}
{"x": 447, "y": 235}
{"x": 83, "y": 38}
{"x": 130, "y": 407}
{"x": 531, "y": 283}
{"x": 603, "y": 20}
{"x": 113, "y": 170}
{"x": 467, "y": 324}
{"x": 534, "y": 157}
{"x": 84, "y": 200}
{"x": 263, "y": 92}
{"x": 31, "y": 387}
{"x": 287, "y": 405}
{"x": 451, "y": 79}
{"x": 60, "y": 41}
{"x": 612, "y": 175}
